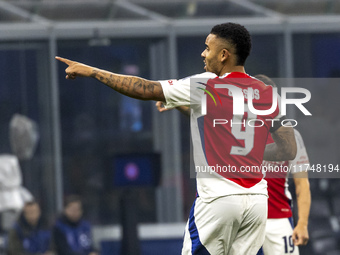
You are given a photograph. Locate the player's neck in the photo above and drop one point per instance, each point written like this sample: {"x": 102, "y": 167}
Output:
{"x": 230, "y": 69}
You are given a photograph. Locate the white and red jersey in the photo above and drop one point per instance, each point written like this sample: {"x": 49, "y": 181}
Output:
{"x": 222, "y": 152}
{"x": 279, "y": 202}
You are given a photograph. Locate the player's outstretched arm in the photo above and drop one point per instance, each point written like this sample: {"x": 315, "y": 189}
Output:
{"x": 131, "y": 86}
{"x": 284, "y": 147}
{"x": 303, "y": 197}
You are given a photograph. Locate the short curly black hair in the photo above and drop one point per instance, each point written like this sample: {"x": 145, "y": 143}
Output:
{"x": 238, "y": 36}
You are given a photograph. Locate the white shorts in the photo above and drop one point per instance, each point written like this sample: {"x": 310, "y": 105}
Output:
{"x": 232, "y": 225}
{"x": 278, "y": 240}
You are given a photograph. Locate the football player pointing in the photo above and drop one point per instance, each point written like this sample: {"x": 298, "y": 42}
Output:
{"x": 230, "y": 210}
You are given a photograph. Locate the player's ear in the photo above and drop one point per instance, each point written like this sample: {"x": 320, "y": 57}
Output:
{"x": 224, "y": 55}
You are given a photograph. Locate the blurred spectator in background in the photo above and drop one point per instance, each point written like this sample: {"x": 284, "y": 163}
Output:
{"x": 72, "y": 234}
{"x": 29, "y": 236}
{"x": 24, "y": 137}
{"x": 12, "y": 194}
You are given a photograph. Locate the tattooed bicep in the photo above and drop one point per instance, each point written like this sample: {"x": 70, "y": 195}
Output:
{"x": 148, "y": 89}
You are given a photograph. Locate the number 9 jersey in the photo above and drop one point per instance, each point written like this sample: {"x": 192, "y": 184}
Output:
{"x": 228, "y": 148}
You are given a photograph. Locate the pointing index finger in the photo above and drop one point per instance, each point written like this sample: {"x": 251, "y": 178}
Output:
{"x": 65, "y": 60}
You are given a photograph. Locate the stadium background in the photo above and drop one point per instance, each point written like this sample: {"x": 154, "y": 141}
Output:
{"x": 83, "y": 124}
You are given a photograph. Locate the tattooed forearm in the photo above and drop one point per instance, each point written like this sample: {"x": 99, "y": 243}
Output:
{"x": 137, "y": 85}
{"x": 94, "y": 73}
{"x": 130, "y": 85}
{"x": 110, "y": 81}
{"x": 284, "y": 147}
